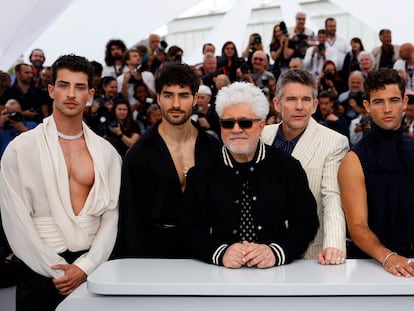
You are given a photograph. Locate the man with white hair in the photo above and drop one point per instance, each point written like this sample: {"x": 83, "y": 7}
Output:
{"x": 245, "y": 209}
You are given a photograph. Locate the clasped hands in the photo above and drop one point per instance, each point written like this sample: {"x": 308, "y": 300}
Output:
{"x": 72, "y": 278}
{"x": 249, "y": 254}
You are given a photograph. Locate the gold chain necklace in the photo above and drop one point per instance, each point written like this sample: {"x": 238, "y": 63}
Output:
{"x": 187, "y": 154}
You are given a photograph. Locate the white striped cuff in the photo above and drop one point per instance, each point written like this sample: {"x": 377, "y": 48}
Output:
{"x": 280, "y": 260}
{"x": 217, "y": 254}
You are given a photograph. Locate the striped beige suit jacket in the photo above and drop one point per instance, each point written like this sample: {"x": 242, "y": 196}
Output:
{"x": 320, "y": 150}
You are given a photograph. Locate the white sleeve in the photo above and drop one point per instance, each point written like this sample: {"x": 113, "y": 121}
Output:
{"x": 17, "y": 213}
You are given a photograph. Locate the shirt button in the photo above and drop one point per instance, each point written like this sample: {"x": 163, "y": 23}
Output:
{"x": 259, "y": 227}
{"x": 254, "y": 198}
{"x": 234, "y": 231}
{"x": 237, "y": 172}
{"x": 237, "y": 202}
{"x": 252, "y": 169}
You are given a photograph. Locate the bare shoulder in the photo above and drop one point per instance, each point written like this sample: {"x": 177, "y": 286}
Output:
{"x": 350, "y": 163}
{"x": 350, "y": 173}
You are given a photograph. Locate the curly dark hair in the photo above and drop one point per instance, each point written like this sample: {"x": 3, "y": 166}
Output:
{"x": 378, "y": 79}
{"x": 73, "y": 63}
{"x": 108, "y": 55}
{"x": 174, "y": 73}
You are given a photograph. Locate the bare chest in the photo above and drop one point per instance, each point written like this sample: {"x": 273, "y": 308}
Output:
{"x": 183, "y": 158}
{"x": 80, "y": 171}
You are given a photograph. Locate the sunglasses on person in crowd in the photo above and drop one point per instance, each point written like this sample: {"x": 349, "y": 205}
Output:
{"x": 244, "y": 123}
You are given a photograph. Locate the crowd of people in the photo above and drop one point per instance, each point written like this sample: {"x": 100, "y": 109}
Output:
{"x": 299, "y": 150}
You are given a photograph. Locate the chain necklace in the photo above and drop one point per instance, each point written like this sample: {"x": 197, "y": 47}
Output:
{"x": 186, "y": 154}
{"x": 70, "y": 137}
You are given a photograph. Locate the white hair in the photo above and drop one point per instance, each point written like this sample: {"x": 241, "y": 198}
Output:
{"x": 243, "y": 93}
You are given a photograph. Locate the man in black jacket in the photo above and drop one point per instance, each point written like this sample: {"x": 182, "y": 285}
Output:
{"x": 253, "y": 206}
{"x": 155, "y": 169}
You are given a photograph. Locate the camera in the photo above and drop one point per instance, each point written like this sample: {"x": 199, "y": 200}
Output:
{"x": 162, "y": 47}
{"x": 328, "y": 75}
{"x": 113, "y": 123}
{"x": 283, "y": 29}
{"x": 321, "y": 47}
{"x": 257, "y": 39}
{"x": 149, "y": 100}
{"x": 14, "y": 116}
{"x": 265, "y": 84}
{"x": 136, "y": 70}
{"x": 364, "y": 121}
{"x": 244, "y": 68}
{"x": 265, "y": 80}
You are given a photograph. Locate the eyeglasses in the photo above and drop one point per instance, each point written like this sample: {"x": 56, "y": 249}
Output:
{"x": 243, "y": 123}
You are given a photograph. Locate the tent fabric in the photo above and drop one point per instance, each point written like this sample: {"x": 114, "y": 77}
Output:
{"x": 22, "y": 22}
{"x": 84, "y": 26}
{"x": 226, "y": 29}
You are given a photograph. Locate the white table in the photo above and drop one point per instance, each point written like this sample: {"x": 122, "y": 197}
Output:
{"x": 184, "y": 284}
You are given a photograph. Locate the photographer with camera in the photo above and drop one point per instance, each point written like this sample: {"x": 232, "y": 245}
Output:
{"x": 26, "y": 94}
{"x": 280, "y": 52}
{"x": 329, "y": 80}
{"x": 158, "y": 56}
{"x": 229, "y": 61}
{"x": 133, "y": 74}
{"x": 143, "y": 99}
{"x": 12, "y": 123}
{"x": 300, "y": 36}
{"x": 318, "y": 54}
{"x": 262, "y": 78}
{"x": 122, "y": 130}
{"x": 254, "y": 44}
{"x": 361, "y": 124}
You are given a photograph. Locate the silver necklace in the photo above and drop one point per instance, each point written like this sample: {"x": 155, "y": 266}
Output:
{"x": 70, "y": 137}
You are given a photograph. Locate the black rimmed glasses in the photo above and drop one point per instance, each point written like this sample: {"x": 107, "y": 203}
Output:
{"x": 243, "y": 123}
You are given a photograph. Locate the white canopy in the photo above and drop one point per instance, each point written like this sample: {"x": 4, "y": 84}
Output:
{"x": 84, "y": 26}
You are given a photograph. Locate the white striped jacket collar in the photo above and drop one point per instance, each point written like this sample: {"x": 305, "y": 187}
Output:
{"x": 260, "y": 155}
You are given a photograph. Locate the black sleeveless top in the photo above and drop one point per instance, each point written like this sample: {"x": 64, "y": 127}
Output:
{"x": 387, "y": 159}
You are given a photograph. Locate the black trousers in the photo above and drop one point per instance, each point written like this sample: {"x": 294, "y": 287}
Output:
{"x": 37, "y": 292}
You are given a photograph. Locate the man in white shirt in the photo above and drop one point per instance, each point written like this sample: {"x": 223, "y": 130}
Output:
{"x": 133, "y": 75}
{"x": 334, "y": 41}
{"x": 316, "y": 55}
{"x": 59, "y": 186}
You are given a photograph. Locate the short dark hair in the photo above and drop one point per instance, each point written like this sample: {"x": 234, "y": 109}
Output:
{"x": 97, "y": 68}
{"x": 206, "y": 45}
{"x": 175, "y": 73}
{"x": 329, "y": 19}
{"x": 410, "y": 99}
{"x": 326, "y": 94}
{"x": 19, "y": 66}
{"x": 73, "y": 63}
{"x": 378, "y": 79}
{"x": 382, "y": 31}
{"x": 296, "y": 76}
